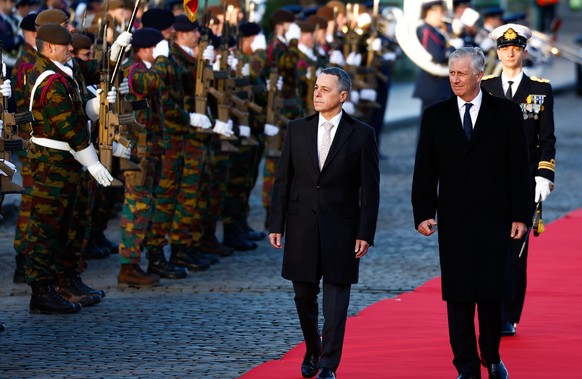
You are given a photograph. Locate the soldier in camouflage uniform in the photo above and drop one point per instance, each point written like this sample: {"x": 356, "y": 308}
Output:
{"x": 177, "y": 123}
{"x": 60, "y": 147}
{"x": 144, "y": 71}
{"x": 194, "y": 195}
{"x": 280, "y": 20}
{"x": 20, "y": 75}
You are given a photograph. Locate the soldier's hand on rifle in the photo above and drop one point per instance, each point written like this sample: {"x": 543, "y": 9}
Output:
{"x": 232, "y": 61}
{"x": 336, "y": 57}
{"x": 354, "y": 59}
{"x": 259, "y": 43}
{"x": 123, "y": 41}
{"x": 543, "y": 188}
{"x": 1, "y": 127}
{"x": 162, "y": 49}
{"x": 246, "y": 69}
{"x": 200, "y": 120}
{"x": 376, "y": 44}
{"x": 92, "y": 106}
{"x": 124, "y": 87}
{"x": 244, "y": 131}
{"x": 368, "y": 94}
{"x": 6, "y": 89}
{"x": 354, "y": 97}
{"x": 208, "y": 53}
{"x": 271, "y": 130}
{"x": 120, "y": 151}
{"x": 224, "y": 128}
{"x": 216, "y": 64}
{"x": 88, "y": 158}
{"x": 349, "y": 107}
{"x": 112, "y": 95}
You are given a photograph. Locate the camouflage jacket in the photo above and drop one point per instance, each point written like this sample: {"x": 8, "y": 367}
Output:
{"x": 176, "y": 118}
{"x": 58, "y": 108}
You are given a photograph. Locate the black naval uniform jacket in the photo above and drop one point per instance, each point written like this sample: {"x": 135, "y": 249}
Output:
{"x": 476, "y": 188}
{"x": 325, "y": 211}
{"x": 535, "y": 98}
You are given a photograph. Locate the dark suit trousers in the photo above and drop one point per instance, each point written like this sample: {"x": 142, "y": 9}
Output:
{"x": 462, "y": 336}
{"x": 336, "y": 299}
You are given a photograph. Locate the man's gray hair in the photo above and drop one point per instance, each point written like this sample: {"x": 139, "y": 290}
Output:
{"x": 344, "y": 81}
{"x": 476, "y": 55}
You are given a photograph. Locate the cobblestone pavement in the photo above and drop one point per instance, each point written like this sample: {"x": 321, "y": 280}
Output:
{"x": 223, "y": 322}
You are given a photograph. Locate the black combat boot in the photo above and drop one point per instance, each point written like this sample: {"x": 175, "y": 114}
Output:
{"x": 92, "y": 251}
{"x": 234, "y": 237}
{"x": 189, "y": 258}
{"x": 157, "y": 264}
{"x": 251, "y": 234}
{"x": 70, "y": 289}
{"x": 209, "y": 244}
{"x": 46, "y": 300}
{"x": 78, "y": 284}
{"x": 100, "y": 240}
{"x": 20, "y": 270}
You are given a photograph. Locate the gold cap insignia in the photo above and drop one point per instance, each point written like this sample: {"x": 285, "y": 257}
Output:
{"x": 510, "y": 34}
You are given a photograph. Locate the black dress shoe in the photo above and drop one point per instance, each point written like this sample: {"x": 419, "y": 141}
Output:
{"x": 497, "y": 371}
{"x": 310, "y": 365}
{"x": 326, "y": 373}
{"x": 508, "y": 329}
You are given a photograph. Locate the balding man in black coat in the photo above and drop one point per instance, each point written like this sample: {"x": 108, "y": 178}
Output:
{"x": 327, "y": 203}
{"x": 477, "y": 181}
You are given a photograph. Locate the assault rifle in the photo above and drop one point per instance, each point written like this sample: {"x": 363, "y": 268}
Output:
{"x": 10, "y": 140}
{"x": 275, "y": 105}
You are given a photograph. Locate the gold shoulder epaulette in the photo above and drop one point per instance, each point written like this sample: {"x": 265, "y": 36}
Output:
{"x": 488, "y": 77}
{"x": 538, "y": 79}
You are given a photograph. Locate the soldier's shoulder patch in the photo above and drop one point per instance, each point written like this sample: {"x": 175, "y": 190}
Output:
{"x": 489, "y": 77}
{"x": 539, "y": 80}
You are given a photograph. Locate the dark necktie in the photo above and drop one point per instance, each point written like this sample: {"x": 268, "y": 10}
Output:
{"x": 467, "y": 123}
{"x": 509, "y": 93}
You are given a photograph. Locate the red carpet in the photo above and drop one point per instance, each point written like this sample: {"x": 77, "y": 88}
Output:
{"x": 407, "y": 337}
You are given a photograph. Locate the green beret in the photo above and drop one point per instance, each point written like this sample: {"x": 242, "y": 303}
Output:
{"x": 54, "y": 33}
{"x": 51, "y": 16}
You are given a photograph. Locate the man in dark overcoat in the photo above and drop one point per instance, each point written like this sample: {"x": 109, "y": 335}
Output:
{"x": 472, "y": 170}
{"x": 326, "y": 199}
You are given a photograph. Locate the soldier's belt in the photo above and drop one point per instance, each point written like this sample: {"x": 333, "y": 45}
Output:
{"x": 51, "y": 143}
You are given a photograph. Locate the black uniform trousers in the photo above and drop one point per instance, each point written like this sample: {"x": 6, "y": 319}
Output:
{"x": 462, "y": 336}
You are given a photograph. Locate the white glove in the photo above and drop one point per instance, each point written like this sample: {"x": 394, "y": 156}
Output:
{"x": 364, "y": 19}
{"x": 244, "y": 131}
{"x": 271, "y": 130}
{"x": 293, "y": 32}
{"x": 389, "y": 56}
{"x": 457, "y": 43}
{"x": 112, "y": 95}
{"x": 354, "y": 59}
{"x": 124, "y": 40}
{"x": 368, "y": 94}
{"x": 336, "y": 57}
{"x": 232, "y": 61}
{"x": 208, "y": 53}
{"x": 355, "y": 97}
{"x": 543, "y": 189}
{"x": 280, "y": 83}
{"x": 349, "y": 107}
{"x": 216, "y": 64}
{"x": 457, "y": 26}
{"x": 308, "y": 74}
{"x": 162, "y": 49}
{"x": 246, "y": 69}
{"x": 120, "y": 151}
{"x": 92, "y": 107}
{"x": 88, "y": 158}
{"x": 224, "y": 128}
{"x": 1, "y": 127}
{"x": 6, "y": 89}
{"x": 200, "y": 120}
{"x": 124, "y": 87}
{"x": 377, "y": 44}
{"x": 9, "y": 164}
{"x": 259, "y": 43}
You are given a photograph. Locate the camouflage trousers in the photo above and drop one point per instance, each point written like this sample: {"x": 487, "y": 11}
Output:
{"x": 220, "y": 170}
{"x": 138, "y": 206}
{"x": 53, "y": 199}
{"x": 21, "y": 232}
{"x": 193, "y": 196}
{"x": 82, "y": 215}
{"x": 269, "y": 171}
{"x": 167, "y": 190}
{"x": 240, "y": 183}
